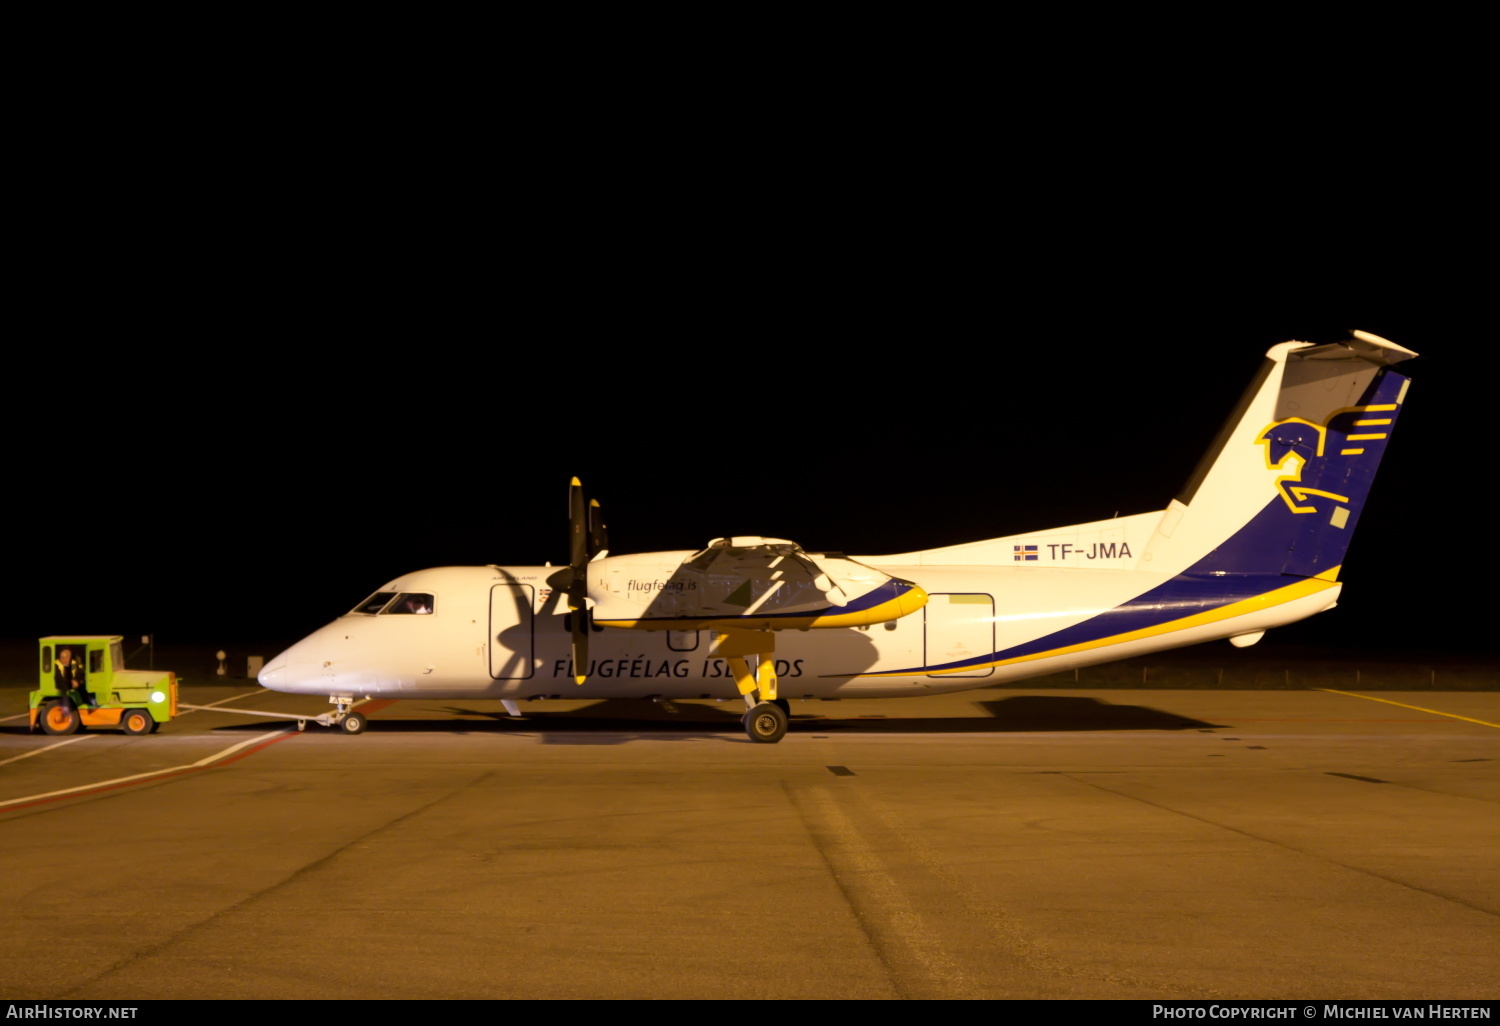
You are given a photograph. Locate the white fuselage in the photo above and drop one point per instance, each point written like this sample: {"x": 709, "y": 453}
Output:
{"x": 1255, "y": 540}
{"x": 501, "y": 633}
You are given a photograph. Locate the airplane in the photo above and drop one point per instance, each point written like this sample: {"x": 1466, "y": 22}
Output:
{"x": 1255, "y": 540}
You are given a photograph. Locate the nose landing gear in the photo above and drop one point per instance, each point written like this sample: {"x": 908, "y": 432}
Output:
{"x": 343, "y": 717}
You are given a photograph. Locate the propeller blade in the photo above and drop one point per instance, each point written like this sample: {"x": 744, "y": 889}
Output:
{"x": 581, "y": 621}
{"x": 598, "y": 542}
{"x": 578, "y": 584}
{"x": 578, "y": 544}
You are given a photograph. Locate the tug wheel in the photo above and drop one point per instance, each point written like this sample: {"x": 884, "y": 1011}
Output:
{"x": 137, "y": 721}
{"x": 59, "y": 718}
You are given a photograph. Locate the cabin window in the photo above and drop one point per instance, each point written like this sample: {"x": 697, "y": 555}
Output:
{"x": 375, "y": 603}
{"x": 96, "y": 660}
{"x": 117, "y": 654}
{"x": 682, "y": 641}
{"x": 46, "y": 658}
{"x": 411, "y": 602}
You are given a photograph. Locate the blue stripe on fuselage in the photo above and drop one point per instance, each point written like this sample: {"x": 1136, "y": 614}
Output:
{"x": 1185, "y": 595}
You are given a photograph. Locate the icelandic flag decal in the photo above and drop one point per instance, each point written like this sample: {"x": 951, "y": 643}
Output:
{"x": 1025, "y": 553}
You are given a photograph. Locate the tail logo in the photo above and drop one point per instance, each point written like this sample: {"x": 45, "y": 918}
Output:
{"x": 1295, "y": 443}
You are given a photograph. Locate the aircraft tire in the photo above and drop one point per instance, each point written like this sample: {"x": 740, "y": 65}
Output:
{"x": 766, "y": 723}
{"x": 353, "y": 723}
{"x": 784, "y": 704}
{"x": 59, "y": 718}
{"x": 136, "y": 722}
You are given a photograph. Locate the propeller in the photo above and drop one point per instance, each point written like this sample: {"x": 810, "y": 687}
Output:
{"x": 587, "y": 541}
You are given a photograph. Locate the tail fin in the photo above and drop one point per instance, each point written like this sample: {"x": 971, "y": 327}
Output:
{"x": 1283, "y": 486}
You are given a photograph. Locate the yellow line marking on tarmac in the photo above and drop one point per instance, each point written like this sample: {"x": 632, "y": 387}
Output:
{"x": 142, "y": 776}
{"x": 48, "y": 748}
{"x": 1435, "y": 712}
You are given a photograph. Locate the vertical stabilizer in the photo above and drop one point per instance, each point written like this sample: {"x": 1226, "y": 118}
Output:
{"x": 1282, "y": 489}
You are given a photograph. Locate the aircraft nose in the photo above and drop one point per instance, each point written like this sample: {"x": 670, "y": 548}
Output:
{"x": 293, "y": 670}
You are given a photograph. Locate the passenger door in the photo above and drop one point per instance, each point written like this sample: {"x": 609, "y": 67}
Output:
{"x": 960, "y": 627}
{"x": 512, "y": 632}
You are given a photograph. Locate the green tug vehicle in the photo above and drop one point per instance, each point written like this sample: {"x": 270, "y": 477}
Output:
{"x": 84, "y": 683}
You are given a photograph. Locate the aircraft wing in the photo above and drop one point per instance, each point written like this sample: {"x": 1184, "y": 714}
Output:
{"x": 745, "y": 583}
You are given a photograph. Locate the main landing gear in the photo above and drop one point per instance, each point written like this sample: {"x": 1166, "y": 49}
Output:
{"x": 767, "y": 716}
{"x": 766, "y": 722}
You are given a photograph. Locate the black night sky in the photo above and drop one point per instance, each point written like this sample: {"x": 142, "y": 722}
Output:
{"x": 300, "y": 341}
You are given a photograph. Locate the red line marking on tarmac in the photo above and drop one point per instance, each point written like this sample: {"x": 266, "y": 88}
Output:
{"x": 248, "y": 751}
{"x": 166, "y": 774}
{"x": 163, "y": 775}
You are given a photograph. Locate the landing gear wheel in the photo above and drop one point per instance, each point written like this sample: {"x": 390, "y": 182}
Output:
{"x": 353, "y": 723}
{"x": 766, "y": 723}
{"x": 137, "y": 721}
{"x": 59, "y": 718}
{"x": 784, "y": 704}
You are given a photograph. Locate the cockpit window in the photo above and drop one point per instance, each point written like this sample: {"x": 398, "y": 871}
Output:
{"x": 375, "y": 603}
{"x": 411, "y": 602}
